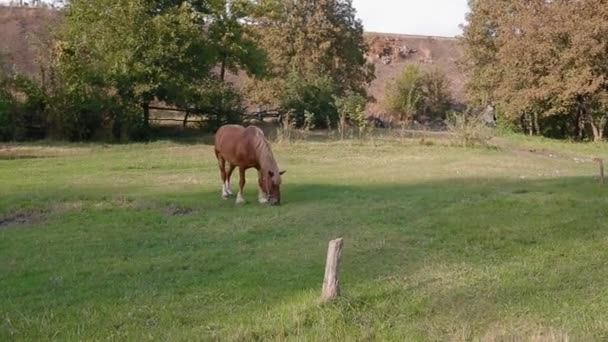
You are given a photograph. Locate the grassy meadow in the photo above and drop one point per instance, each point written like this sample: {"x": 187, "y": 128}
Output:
{"x": 133, "y": 242}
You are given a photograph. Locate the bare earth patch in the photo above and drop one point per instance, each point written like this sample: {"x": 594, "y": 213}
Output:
{"x": 22, "y": 217}
{"x": 173, "y": 210}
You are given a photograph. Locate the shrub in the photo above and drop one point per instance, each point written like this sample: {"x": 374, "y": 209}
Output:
{"x": 314, "y": 95}
{"x": 404, "y": 95}
{"x": 415, "y": 92}
{"x": 436, "y": 96}
{"x": 351, "y": 109}
{"x": 469, "y": 130}
{"x": 22, "y": 109}
{"x": 77, "y": 113}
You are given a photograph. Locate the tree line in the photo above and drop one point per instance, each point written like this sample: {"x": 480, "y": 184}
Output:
{"x": 108, "y": 60}
{"x": 542, "y": 64}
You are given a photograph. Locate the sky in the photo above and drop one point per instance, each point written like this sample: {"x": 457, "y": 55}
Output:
{"x": 422, "y": 17}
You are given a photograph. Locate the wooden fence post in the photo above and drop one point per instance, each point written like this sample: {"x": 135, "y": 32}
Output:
{"x": 600, "y": 161}
{"x": 331, "y": 286}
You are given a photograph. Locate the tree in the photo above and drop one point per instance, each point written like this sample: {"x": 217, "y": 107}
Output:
{"x": 404, "y": 95}
{"x": 312, "y": 39}
{"x": 233, "y": 40}
{"x": 537, "y": 59}
{"x": 138, "y": 50}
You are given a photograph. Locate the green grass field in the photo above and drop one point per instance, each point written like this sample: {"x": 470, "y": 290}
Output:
{"x": 133, "y": 242}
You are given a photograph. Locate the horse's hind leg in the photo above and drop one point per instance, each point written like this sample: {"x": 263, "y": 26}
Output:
{"x": 222, "y": 165}
{"x": 227, "y": 182}
{"x": 239, "y": 197}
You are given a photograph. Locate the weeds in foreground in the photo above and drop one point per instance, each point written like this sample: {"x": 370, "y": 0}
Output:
{"x": 469, "y": 130}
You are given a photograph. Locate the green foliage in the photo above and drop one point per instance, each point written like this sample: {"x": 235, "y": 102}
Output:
{"x": 220, "y": 103}
{"x": 313, "y": 95}
{"x": 436, "y": 95}
{"x": 234, "y": 42}
{"x": 316, "y": 43}
{"x": 415, "y": 92}
{"x": 7, "y": 126}
{"x": 128, "y": 52}
{"x": 351, "y": 109}
{"x": 22, "y": 108}
{"x": 405, "y": 94}
{"x": 76, "y": 112}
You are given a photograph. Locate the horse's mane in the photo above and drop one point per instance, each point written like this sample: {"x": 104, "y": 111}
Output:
{"x": 265, "y": 155}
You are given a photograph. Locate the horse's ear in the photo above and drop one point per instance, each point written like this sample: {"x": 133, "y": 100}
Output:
{"x": 282, "y": 172}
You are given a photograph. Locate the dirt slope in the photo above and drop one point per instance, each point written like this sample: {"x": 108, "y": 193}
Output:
{"x": 389, "y": 52}
{"x": 20, "y": 29}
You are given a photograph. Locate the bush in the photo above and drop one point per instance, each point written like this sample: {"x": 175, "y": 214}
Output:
{"x": 436, "y": 96}
{"x": 351, "y": 110}
{"x": 469, "y": 130}
{"x": 22, "y": 109}
{"x": 404, "y": 95}
{"x": 220, "y": 102}
{"x": 76, "y": 113}
{"x": 315, "y": 96}
{"x": 7, "y": 126}
{"x": 415, "y": 92}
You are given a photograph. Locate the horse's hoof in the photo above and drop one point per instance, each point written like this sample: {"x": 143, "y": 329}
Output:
{"x": 263, "y": 200}
{"x": 225, "y": 196}
{"x": 240, "y": 201}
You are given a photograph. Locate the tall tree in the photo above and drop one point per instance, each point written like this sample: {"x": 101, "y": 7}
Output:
{"x": 141, "y": 50}
{"x": 233, "y": 39}
{"x": 314, "y": 38}
{"x": 539, "y": 58}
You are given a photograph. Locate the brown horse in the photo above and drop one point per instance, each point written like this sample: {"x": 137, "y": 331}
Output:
{"x": 247, "y": 148}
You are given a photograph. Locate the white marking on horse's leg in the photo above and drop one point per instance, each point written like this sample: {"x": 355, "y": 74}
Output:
{"x": 239, "y": 198}
{"x": 262, "y": 197}
{"x": 225, "y": 193}
{"x": 227, "y": 188}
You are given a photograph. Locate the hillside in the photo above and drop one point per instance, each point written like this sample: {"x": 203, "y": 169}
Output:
{"x": 19, "y": 28}
{"x": 390, "y": 53}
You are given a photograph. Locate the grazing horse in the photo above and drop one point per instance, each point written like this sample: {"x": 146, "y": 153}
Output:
{"x": 247, "y": 148}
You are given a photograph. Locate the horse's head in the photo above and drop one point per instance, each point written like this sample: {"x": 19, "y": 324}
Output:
{"x": 272, "y": 184}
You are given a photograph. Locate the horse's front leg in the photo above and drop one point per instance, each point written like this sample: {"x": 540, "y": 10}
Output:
{"x": 262, "y": 195}
{"x": 239, "y": 197}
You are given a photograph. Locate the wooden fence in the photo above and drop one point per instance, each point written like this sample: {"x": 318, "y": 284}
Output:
{"x": 204, "y": 114}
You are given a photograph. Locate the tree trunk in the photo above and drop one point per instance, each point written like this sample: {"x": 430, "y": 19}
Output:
{"x": 596, "y": 131}
{"x": 530, "y": 125}
{"x": 598, "y": 126}
{"x": 146, "y": 107}
{"x": 117, "y": 128}
{"x": 536, "y": 125}
{"x": 223, "y": 67}
{"x": 577, "y": 125}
